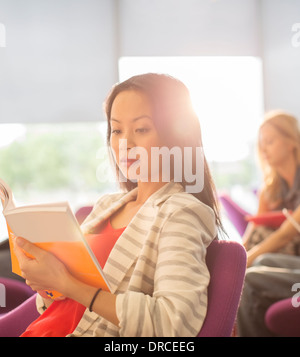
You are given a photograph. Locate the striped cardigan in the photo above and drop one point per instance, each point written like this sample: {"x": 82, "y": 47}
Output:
{"x": 157, "y": 267}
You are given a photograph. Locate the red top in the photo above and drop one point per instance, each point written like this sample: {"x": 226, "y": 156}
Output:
{"x": 62, "y": 317}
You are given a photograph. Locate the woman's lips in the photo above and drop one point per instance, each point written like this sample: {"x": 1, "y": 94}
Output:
{"x": 128, "y": 162}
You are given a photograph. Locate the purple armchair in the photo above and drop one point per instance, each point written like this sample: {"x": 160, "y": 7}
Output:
{"x": 235, "y": 213}
{"x": 226, "y": 261}
{"x": 82, "y": 213}
{"x": 16, "y": 292}
{"x": 283, "y": 319}
{"x": 15, "y": 322}
{"x": 20, "y": 308}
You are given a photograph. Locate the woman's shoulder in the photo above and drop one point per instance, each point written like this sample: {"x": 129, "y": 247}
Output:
{"x": 186, "y": 203}
{"x": 184, "y": 207}
{"x": 184, "y": 198}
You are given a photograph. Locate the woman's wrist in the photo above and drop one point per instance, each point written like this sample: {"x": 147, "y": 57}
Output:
{"x": 103, "y": 302}
{"x": 69, "y": 286}
{"x": 78, "y": 291}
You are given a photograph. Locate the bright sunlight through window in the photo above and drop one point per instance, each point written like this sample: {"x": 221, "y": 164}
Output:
{"x": 226, "y": 93}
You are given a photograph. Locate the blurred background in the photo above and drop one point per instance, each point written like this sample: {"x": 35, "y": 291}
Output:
{"x": 59, "y": 59}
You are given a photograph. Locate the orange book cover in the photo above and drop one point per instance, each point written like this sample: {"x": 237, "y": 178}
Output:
{"x": 52, "y": 227}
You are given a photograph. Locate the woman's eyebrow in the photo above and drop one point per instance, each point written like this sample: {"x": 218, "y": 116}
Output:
{"x": 133, "y": 120}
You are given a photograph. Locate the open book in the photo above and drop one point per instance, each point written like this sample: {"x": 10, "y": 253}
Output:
{"x": 52, "y": 227}
{"x": 272, "y": 219}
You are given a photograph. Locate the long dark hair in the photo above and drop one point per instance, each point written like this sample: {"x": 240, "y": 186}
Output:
{"x": 176, "y": 123}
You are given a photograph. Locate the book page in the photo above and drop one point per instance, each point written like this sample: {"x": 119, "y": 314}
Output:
{"x": 43, "y": 224}
{"x": 53, "y": 227}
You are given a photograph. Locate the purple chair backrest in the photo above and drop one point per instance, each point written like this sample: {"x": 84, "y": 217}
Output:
{"x": 283, "y": 318}
{"x": 15, "y": 322}
{"x": 82, "y": 213}
{"x": 15, "y": 292}
{"x": 235, "y": 213}
{"x": 226, "y": 261}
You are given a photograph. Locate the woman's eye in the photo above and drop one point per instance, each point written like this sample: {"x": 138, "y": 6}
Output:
{"x": 142, "y": 130}
{"x": 116, "y": 131}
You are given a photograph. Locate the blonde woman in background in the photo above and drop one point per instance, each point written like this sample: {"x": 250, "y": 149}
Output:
{"x": 273, "y": 255}
{"x": 279, "y": 155}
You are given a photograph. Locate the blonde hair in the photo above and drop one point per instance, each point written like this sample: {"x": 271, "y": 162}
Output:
{"x": 287, "y": 126}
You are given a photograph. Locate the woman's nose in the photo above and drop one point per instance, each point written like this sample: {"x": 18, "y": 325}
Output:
{"x": 128, "y": 136}
{"x": 263, "y": 148}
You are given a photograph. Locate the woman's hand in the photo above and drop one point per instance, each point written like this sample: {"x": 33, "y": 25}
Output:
{"x": 44, "y": 271}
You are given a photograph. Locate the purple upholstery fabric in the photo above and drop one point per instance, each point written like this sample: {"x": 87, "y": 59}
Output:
{"x": 16, "y": 321}
{"x": 226, "y": 261}
{"x": 235, "y": 213}
{"x": 16, "y": 292}
{"x": 283, "y": 319}
{"x": 82, "y": 213}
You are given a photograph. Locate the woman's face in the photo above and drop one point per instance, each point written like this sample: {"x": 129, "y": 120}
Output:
{"x": 133, "y": 134}
{"x": 275, "y": 147}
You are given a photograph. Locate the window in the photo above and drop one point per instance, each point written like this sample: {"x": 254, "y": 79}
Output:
{"x": 227, "y": 95}
{"x": 55, "y": 162}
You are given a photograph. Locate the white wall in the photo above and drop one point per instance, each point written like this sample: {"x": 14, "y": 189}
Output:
{"x": 59, "y": 60}
{"x": 189, "y": 27}
{"x": 281, "y": 60}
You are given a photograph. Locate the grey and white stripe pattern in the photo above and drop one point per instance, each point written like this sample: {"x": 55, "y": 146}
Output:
{"x": 157, "y": 267}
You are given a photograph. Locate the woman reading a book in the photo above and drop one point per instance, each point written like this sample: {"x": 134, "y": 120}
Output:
{"x": 150, "y": 239}
{"x": 273, "y": 254}
{"x": 279, "y": 154}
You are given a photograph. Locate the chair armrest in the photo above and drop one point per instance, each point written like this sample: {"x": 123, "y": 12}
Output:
{"x": 283, "y": 319}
